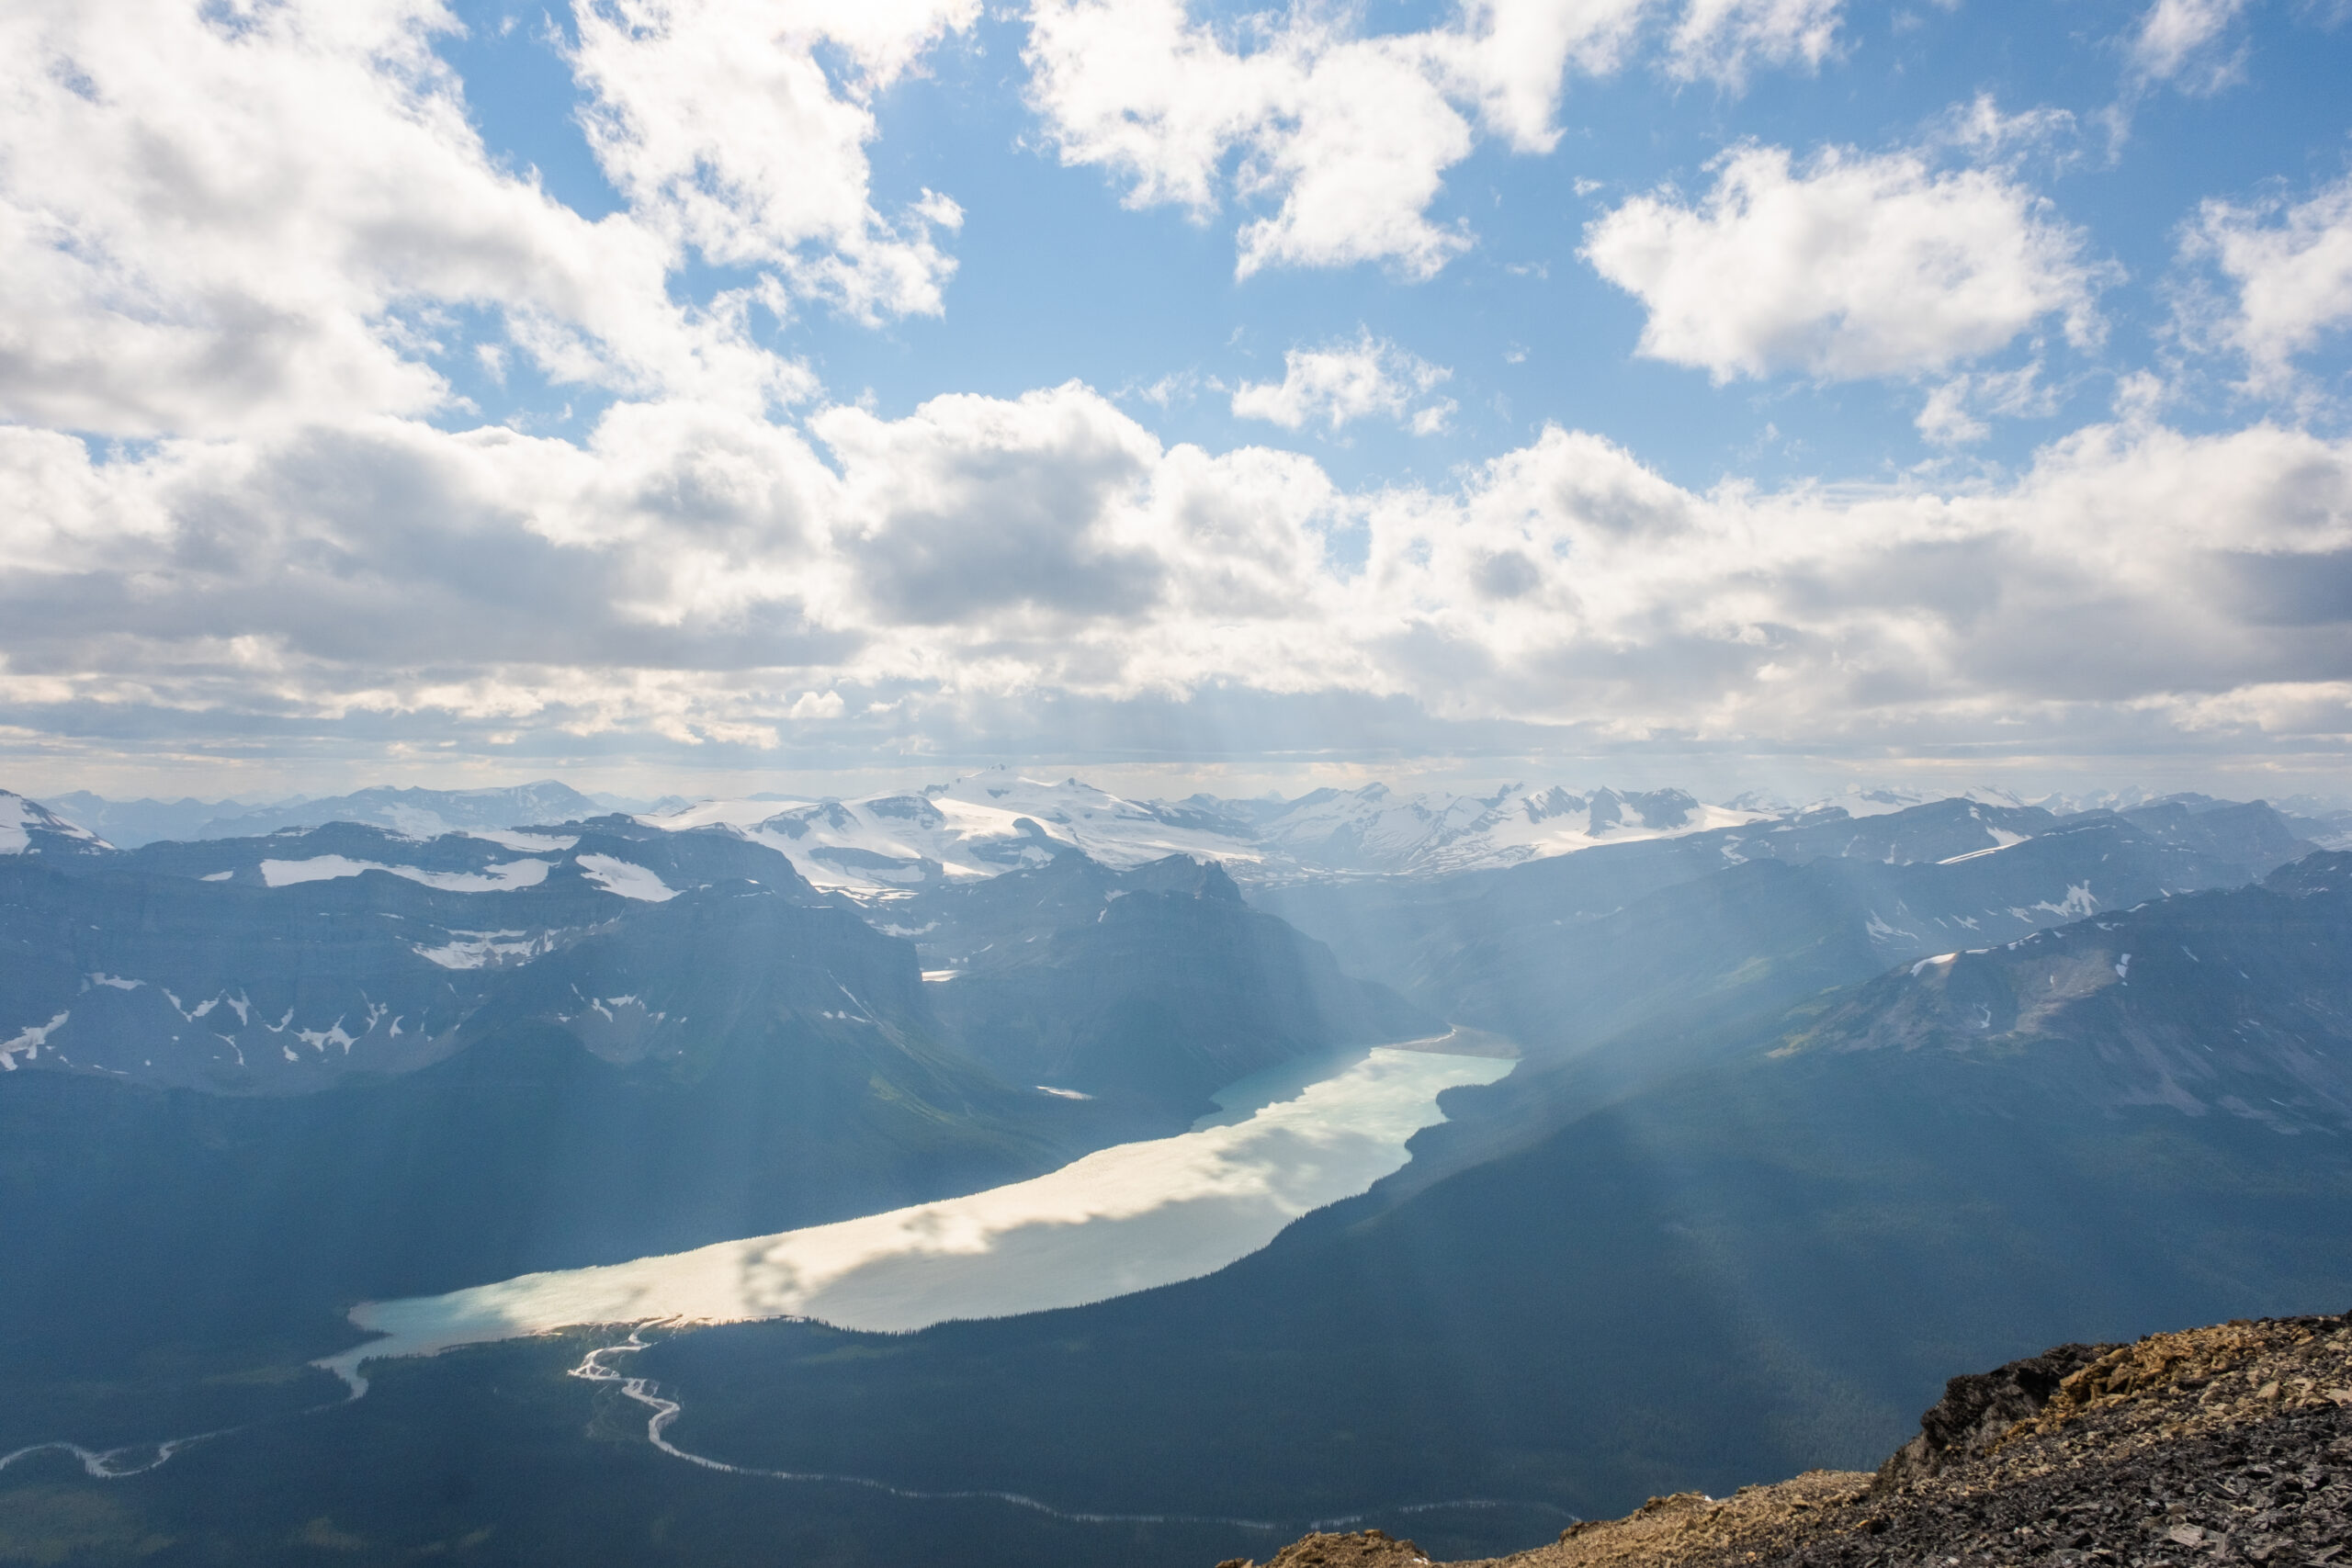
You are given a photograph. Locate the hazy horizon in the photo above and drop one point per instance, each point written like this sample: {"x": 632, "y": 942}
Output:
{"x": 1712, "y": 781}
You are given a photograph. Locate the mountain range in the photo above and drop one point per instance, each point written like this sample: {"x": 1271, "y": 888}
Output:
{"x": 1711, "y": 1269}
{"x": 1810, "y": 1105}
{"x": 879, "y": 845}
{"x": 418, "y": 813}
{"x": 285, "y": 1073}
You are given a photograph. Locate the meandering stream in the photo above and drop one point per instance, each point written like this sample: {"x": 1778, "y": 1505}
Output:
{"x": 1123, "y": 1219}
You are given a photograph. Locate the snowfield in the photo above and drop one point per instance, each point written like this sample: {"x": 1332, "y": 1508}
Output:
{"x": 490, "y": 879}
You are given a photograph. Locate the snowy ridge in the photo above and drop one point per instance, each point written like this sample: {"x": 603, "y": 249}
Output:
{"x": 27, "y": 827}
{"x": 1375, "y": 830}
{"x": 414, "y": 813}
{"x": 887, "y": 845}
{"x": 354, "y": 948}
{"x": 15, "y": 810}
{"x": 999, "y": 820}
{"x": 1879, "y": 800}
{"x": 978, "y": 826}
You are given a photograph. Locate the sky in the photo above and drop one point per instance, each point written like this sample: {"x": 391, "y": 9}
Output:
{"x": 708, "y": 395}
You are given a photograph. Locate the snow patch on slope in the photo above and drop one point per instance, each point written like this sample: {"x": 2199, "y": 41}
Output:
{"x": 2002, "y": 840}
{"x": 524, "y": 842}
{"x": 29, "y": 1041}
{"x": 490, "y": 879}
{"x": 628, "y": 880}
{"x": 479, "y": 950}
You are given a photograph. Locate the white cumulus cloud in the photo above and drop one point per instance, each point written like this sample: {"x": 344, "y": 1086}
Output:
{"x": 2289, "y": 270}
{"x": 1350, "y": 379}
{"x": 1847, "y": 267}
{"x": 973, "y": 507}
{"x": 718, "y": 122}
{"x": 694, "y": 577}
{"x": 1347, "y": 138}
{"x": 220, "y": 217}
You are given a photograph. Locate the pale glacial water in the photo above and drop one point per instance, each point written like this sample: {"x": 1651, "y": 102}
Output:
{"x": 1122, "y": 1219}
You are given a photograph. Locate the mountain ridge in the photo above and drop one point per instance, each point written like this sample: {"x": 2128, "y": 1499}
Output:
{"x": 878, "y": 846}
{"x": 2232, "y": 1443}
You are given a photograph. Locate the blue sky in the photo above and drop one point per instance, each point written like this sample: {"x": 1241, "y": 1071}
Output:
{"x": 1638, "y": 388}
{"x": 1056, "y": 280}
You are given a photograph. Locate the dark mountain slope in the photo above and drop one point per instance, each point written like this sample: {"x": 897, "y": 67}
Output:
{"x": 1690, "y": 975}
{"x": 2232, "y": 1002}
{"x": 731, "y": 1061}
{"x": 285, "y": 964}
{"x": 1723, "y": 948}
{"x": 1397, "y": 927}
{"x": 1150, "y": 989}
{"x": 1561, "y": 955}
{"x": 2251, "y": 833}
{"x": 1752, "y": 1268}
{"x": 272, "y": 1101}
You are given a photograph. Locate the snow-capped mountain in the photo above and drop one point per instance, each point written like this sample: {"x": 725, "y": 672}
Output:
{"x": 884, "y": 846}
{"x": 418, "y": 813}
{"x": 294, "y": 961}
{"x": 981, "y": 825}
{"x": 27, "y": 827}
{"x": 994, "y": 821}
{"x": 1881, "y": 800}
{"x": 1375, "y": 830}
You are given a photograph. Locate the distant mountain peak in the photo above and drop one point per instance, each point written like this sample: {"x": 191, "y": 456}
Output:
{"x": 412, "y": 809}
{"x": 27, "y": 827}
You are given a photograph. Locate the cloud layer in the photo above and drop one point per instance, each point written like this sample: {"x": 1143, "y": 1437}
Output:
{"x": 222, "y": 217}
{"x": 256, "y": 249}
{"x": 695, "y": 574}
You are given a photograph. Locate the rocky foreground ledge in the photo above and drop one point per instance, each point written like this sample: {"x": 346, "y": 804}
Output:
{"x": 2222, "y": 1445}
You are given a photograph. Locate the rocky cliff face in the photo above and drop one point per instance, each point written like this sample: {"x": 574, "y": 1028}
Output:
{"x": 2222, "y": 1445}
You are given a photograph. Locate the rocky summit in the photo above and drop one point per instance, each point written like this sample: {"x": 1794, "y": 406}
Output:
{"x": 2222, "y": 1445}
